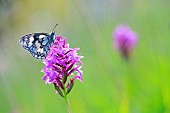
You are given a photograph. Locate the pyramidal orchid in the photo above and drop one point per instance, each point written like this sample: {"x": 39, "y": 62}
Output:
{"x": 124, "y": 40}
{"x": 62, "y": 67}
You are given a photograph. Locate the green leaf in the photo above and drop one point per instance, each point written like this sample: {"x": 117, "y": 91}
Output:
{"x": 64, "y": 79}
{"x": 70, "y": 86}
{"x": 60, "y": 83}
{"x": 59, "y": 91}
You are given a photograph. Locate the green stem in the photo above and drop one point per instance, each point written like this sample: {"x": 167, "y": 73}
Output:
{"x": 67, "y": 101}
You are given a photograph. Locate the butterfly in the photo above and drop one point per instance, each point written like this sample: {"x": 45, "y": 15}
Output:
{"x": 38, "y": 44}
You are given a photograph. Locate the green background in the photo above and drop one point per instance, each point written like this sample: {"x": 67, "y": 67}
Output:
{"x": 110, "y": 84}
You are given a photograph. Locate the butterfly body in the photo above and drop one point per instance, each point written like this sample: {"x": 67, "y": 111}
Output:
{"x": 38, "y": 44}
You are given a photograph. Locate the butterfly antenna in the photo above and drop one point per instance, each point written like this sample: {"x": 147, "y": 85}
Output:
{"x": 54, "y": 27}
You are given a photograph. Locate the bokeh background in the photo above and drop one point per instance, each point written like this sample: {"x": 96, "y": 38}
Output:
{"x": 110, "y": 84}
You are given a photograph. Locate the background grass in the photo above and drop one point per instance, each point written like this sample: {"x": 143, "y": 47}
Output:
{"x": 111, "y": 85}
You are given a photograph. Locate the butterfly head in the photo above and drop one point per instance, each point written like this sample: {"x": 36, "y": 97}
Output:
{"x": 52, "y": 34}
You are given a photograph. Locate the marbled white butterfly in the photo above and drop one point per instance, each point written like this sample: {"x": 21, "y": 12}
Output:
{"x": 38, "y": 44}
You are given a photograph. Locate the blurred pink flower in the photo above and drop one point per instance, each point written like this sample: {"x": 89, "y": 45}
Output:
{"x": 124, "y": 40}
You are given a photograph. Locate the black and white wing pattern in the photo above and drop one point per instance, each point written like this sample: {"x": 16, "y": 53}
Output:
{"x": 38, "y": 44}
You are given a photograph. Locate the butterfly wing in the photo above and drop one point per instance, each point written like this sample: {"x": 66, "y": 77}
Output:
{"x": 38, "y": 44}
